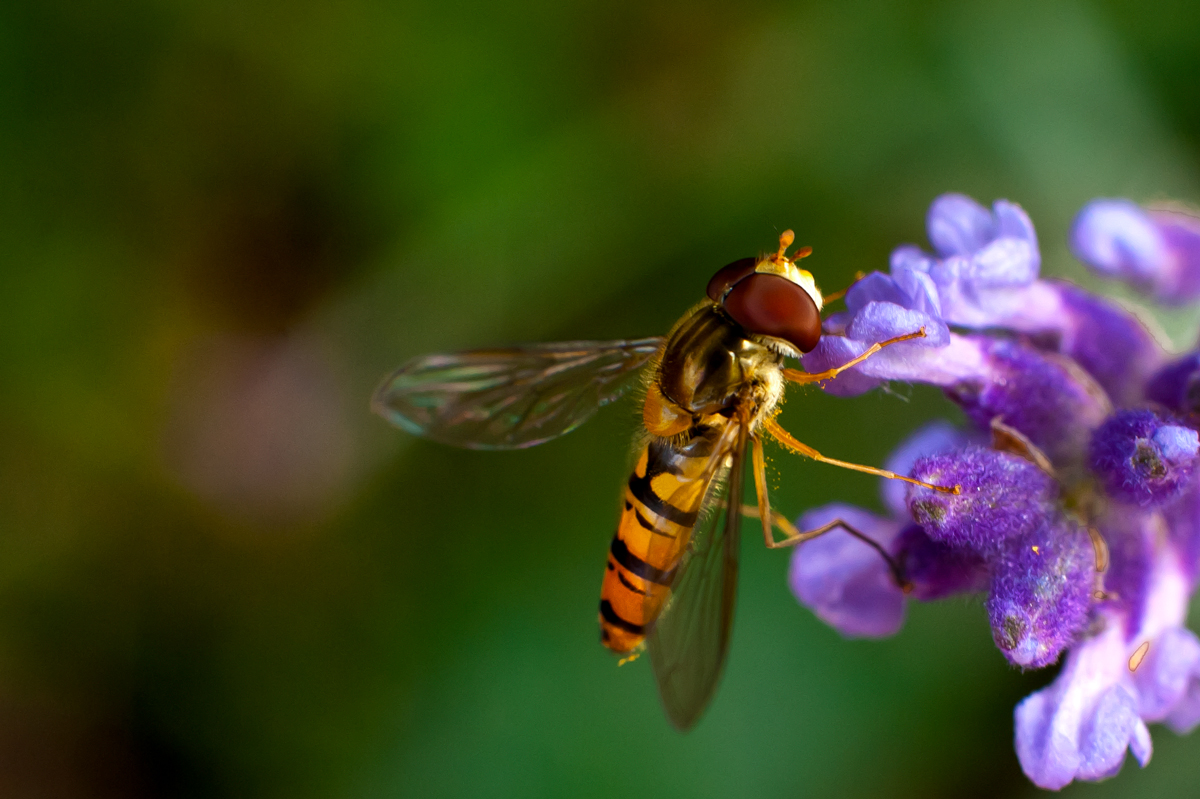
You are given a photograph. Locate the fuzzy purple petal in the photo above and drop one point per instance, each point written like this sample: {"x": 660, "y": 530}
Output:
{"x": 938, "y": 570}
{"x": 1177, "y": 385}
{"x": 1047, "y": 398}
{"x": 931, "y": 439}
{"x": 1182, "y": 518}
{"x": 1041, "y": 593}
{"x": 1130, "y": 535}
{"x": 1003, "y": 496}
{"x": 1142, "y": 459}
{"x": 1106, "y": 340}
{"x": 843, "y": 580}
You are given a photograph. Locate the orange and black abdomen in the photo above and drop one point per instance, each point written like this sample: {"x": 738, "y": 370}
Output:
{"x": 662, "y": 503}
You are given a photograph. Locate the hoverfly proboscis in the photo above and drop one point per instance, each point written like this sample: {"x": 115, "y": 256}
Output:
{"x": 716, "y": 383}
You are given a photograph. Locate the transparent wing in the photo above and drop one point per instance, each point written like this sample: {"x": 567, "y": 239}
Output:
{"x": 509, "y": 398}
{"x": 690, "y": 639}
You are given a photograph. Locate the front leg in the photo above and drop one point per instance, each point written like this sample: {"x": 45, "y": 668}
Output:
{"x": 797, "y": 376}
{"x": 793, "y": 536}
{"x": 788, "y": 440}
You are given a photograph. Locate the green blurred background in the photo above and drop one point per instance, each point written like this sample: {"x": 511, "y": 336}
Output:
{"x": 222, "y": 222}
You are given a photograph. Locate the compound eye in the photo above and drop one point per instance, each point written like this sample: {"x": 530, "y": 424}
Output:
{"x": 770, "y": 305}
{"x": 728, "y": 275}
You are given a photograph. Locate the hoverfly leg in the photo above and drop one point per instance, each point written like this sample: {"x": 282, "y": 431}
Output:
{"x": 788, "y": 440}
{"x": 792, "y": 537}
{"x": 760, "y": 486}
{"x": 797, "y": 376}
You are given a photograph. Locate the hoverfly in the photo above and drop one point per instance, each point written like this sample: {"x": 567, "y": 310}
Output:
{"x": 715, "y": 384}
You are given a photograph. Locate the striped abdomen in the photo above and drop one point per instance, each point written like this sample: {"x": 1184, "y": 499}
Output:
{"x": 662, "y": 502}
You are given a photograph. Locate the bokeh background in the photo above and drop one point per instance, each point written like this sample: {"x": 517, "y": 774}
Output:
{"x": 221, "y": 223}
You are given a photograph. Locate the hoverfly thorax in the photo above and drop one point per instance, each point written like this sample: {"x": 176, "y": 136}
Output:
{"x": 772, "y": 297}
{"x": 706, "y": 361}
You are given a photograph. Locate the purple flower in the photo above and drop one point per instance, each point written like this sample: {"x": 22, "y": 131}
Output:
{"x": 1141, "y": 459}
{"x": 1003, "y": 497}
{"x": 844, "y": 580}
{"x": 1082, "y": 724}
{"x": 1082, "y": 524}
{"x": 1156, "y": 251}
{"x": 1040, "y": 562}
{"x": 982, "y": 275}
{"x": 1177, "y": 385}
{"x": 936, "y": 569}
{"x": 1041, "y": 593}
{"x": 1142, "y": 666}
{"x": 932, "y": 439}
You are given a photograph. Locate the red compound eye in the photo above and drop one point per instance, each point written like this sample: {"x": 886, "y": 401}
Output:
{"x": 770, "y": 305}
{"x": 726, "y": 276}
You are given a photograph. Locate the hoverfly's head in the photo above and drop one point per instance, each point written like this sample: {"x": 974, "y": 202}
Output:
{"x": 771, "y": 296}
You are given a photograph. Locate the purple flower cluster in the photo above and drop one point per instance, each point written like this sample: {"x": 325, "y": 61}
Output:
{"x": 1079, "y": 516}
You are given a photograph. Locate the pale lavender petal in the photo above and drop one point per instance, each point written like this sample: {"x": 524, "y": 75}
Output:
{"x": 1168, "y": 673}
{"x": 919, "y": 289}
{"x": 1177, "y": 444}
{"x": 1157, "y": 251}
{"x": 961, "y": 359}
{"x": 1181, "y": 281}
{"x": 1047, "y": 747}
{"x": 957, "y": 225}
{"x": 875, "y": 287}
{"x": 1118, "y": 239}
{"x": 1013, "y": 222}
{"x": 1112, "y": 727}
{"x": 845, "y": 582}
{"x": 912, "y": 257}
{"x": 1080, "y": 726}
{"x": 1184, "y": 717}
{"x": 1004, "y": 263}
{"x": 833, "y": 351}
{"x": 1140, "y": 745}
{"x": 879, "y": 321}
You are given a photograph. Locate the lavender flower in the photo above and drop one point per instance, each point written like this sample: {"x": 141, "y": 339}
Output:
{"x": 1063, "y": 377}
{"x": 1156, "y": 251}
{"x": 1003, "y": 497}
{"x": 1140, "y": 459}
{"x": 983, "y": 275}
